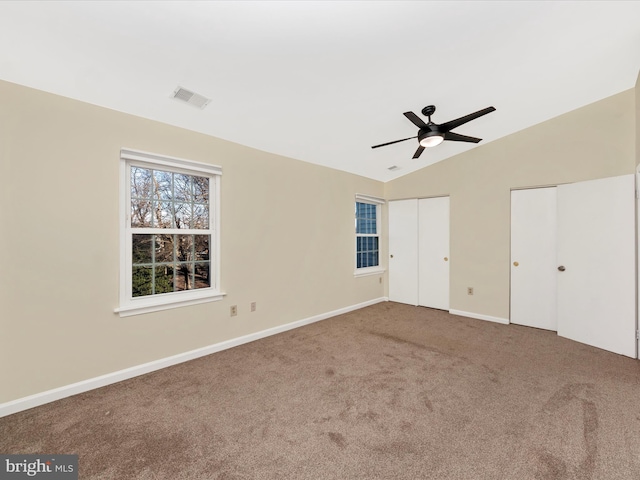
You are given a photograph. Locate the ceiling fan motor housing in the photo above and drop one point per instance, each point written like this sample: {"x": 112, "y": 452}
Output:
{"x": 433, "y": 131}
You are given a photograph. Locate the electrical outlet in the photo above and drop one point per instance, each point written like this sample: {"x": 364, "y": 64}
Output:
{"x": 234, "y": 310}
{"x": 469, "y": 290}
{"x": 253, "y": 306}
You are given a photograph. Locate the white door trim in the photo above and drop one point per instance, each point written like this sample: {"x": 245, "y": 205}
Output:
{"x": 637, "y": 229}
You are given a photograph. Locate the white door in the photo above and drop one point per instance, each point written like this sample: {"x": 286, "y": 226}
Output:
{"x": 403, "y": 251}
{"x": 596, "y": 249}
{"x": 533, "y": 258}
{"x": 433, "y": 252}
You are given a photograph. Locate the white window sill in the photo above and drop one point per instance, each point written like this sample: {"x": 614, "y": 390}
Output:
{"x": 156, "y": 303}
{"x": 364, "y": 272}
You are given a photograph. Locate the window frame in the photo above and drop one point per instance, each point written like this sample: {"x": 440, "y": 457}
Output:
{"x": 130, "y": 305}
{"x": 374, "y": 270}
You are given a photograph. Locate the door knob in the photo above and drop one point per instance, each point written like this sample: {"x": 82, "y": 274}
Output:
{"x": 446, "y": 259}
{"x": 561, "y": 268}
{"x": 391, "y": 256}
{"x": 515, "y": 264}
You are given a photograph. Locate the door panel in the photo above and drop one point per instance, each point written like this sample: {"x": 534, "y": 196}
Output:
{"x": 596, "y": 245}
{"x": 533, "y": 258}
{"x": 433, "y": 252}
{"x": 403, "y": 251}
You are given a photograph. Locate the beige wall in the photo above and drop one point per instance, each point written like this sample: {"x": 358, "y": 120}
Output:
{"x": 287, "y": 243}
{"x": 595, "y": 141}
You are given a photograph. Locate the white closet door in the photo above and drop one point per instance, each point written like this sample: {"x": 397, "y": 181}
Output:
{"x": 533, "y": 258}
{"x": 596, "y": 248}
{"x": 403, "y": 251}
{"x": 433, "y": 252}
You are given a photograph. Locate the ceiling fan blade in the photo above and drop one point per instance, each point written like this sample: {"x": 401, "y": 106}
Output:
{"x": 467, "y": 118}
{"x": 418, "y": 151}
{"x": 456, "y": 137}
{"x": 416, "y": 120}
{"x": 391, "y": 143}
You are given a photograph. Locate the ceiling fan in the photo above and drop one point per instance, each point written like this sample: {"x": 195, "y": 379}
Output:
{"x": 432, "y": 134}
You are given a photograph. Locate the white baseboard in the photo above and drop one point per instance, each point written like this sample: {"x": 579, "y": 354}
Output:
{"x": 31, "y": 401}
{"x": 480, "y": 316}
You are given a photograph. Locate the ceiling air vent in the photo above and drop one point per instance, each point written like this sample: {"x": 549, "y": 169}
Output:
{"x": 191, "y": 98}
{"x": 393, "y": 167}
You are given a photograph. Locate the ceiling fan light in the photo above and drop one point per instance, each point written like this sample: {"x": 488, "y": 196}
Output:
{"x": 431, "y": 140}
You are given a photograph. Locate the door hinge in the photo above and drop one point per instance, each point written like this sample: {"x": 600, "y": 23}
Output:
{"x": 637, "y": 194}
{"x": 637, "y": 334}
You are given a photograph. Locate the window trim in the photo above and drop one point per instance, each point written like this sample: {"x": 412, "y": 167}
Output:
{"x": 378, "y": 269}
{"x": 130, "y": 305}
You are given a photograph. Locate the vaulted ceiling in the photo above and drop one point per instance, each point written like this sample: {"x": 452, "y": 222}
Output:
{"x": 324, "y": 81}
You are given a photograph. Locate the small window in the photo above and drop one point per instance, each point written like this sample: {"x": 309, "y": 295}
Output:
{"x": 366, "y": 235}
{"x": 367, "y": 223}
{"x": 170, "y": 233}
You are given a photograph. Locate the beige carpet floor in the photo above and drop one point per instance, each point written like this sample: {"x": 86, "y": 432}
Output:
{"x": 387, "y": 392}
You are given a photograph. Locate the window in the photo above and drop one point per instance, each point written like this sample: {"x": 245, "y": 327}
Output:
{"x": 170, "y": 234}
{"x": 367, "y": 223}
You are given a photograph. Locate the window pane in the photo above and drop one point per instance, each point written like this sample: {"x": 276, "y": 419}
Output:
{"x": 141, "y": 249}
{"x": 182, "y": 187}
{"x": 183, "y": 277}
{"x": 140, "y": 182}
{"x": 202, "y": 247}
{"x": 184, "y": 248}
{"x": 164, "y": 248}
{"x": 372, "y": 211}
{"x": 200, "y": 189}
{"x": 140, "y": 213}
{"x": 163, "y": 185}
{"x": 202, "y": 276}
{"x": 366, "y": 226}
{"x": 141, "y": 281}
{"x": 200, "y": 216}
{"x": 164, "y": 279}
{"x": 163, "y": 214}
{"x": 366, "y": 210}
{"x": 183, "y": 215}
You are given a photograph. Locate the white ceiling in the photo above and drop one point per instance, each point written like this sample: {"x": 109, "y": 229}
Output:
{"x": 323, "y": 81}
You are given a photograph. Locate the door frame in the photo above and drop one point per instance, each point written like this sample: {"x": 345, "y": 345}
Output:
{"x": 637, "y": 230}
